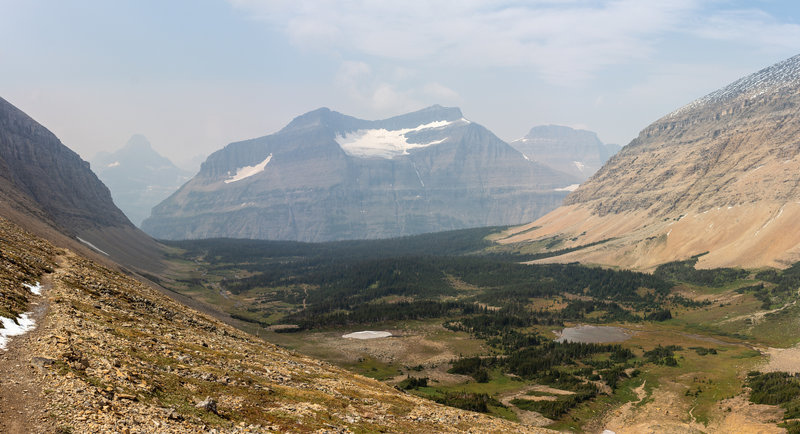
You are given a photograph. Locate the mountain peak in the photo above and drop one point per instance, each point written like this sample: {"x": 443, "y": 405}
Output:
{"x": 138, "y": 142}
{"x": 321, "y": 117}
{"x": 766, "y": 82}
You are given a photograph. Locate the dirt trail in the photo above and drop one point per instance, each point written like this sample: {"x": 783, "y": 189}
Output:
{"x": 526, "y": 417}
{"x": 21, "y": 382}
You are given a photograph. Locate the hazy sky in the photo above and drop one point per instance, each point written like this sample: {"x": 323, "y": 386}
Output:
{"x": 194, "y": 75}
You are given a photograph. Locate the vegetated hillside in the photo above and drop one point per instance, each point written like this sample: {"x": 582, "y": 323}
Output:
{"x": 577, "y": 152}
{"x": 139, "y": 178}
{"x": 473, "y": 328}
{"x": 327, "y": 176}
{"x": 110, "y": 352}
{"x": 719, "y": 175}
{"x": 46, "y": 186}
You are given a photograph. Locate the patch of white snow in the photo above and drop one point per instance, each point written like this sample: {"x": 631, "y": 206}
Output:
{"x": 35, "y": 289}
{"x": 579, "y": 165}
{"x": 382, "y": 143}
{"x": 92, "y": 246}
{"x": 367, "y": 335}
{"x": 114, "y": 164}
{"x": 248, "y": 171}
{"x": 570, "y": 188}
{"x": 23, "y": 324}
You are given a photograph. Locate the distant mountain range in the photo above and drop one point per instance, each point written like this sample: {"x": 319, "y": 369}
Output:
{"x": 328, "y": 176}
{"x": 139, "y": 178}
{"x": 719, "y": 175}
{"x": 577, "y": 152}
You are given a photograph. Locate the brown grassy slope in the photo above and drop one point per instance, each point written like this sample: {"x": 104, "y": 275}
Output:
{"x": 720, "y": 175}
{"x": 115, "y": 353}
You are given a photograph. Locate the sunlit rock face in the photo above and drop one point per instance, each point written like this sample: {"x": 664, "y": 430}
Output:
{"x": 328, "y": 176}
{"x": 719, "y": 175}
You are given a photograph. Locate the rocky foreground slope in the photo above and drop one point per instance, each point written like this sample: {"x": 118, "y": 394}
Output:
{"x": 327, "y": 176}
{"x": 111, "y": 354}
{"x": 720, "y": 175}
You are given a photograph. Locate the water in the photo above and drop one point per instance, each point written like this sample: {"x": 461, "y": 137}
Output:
{"x": 589, "y": 334}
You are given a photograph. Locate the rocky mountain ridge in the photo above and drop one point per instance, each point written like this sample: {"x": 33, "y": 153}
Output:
{"x": 577, "y": 152}
{"x": 327, "y": 176}
{"x": 719, "y": 175}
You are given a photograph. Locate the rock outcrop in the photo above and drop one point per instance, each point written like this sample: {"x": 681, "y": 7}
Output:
{"x": 720, "y": 175}
{"x": 327, "y": 176}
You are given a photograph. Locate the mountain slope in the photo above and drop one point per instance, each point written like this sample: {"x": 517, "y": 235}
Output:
{"x": 111, "y": 352}
{"x": 138, "y": 177}
{"x": 577, "y": 152}
{"x": 328, "y": 176}
{"x": 720, "y": 175}
{"x": 45, "y": 183}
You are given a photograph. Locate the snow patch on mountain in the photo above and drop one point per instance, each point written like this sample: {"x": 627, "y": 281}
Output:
{"x": 97, "y": 249}
{"x": 569, "y": 188}
{"x": 579, "y": 165}
{"x": 382, "y": 143}
{"x": 248, "y": 171}
{"x": 114, "y": 164}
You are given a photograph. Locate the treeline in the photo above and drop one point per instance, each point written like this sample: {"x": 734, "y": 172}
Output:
{"x": 375, "y": 313}
{"x": 685, "y": 271}
{"x": 238, "y": 251}
{"x": 776, "y": 388}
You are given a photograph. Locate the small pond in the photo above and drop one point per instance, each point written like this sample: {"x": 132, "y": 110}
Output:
{"x": 589, "y": 334}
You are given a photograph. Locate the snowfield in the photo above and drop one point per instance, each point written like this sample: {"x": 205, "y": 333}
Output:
{"x": 35, "y": 289}
{"x": 367, "y": 335}
{"x": 23, "y": 324}
{"x": 382, "y": 143}
{"x": 248, "y": 171}
{"x": 92, "y": 246}
{"x": 569, "y": 188}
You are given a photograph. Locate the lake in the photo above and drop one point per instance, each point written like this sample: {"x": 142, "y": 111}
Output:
{"x": 589, "y": 334}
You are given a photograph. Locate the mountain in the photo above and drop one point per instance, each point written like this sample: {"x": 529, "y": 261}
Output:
{"x": 577, "y": 152}
{"x": 139, "y": 177}
{"x": 719, "y": 175}
{"x": 45, "y": 184}
{"x": 328, "y": 176}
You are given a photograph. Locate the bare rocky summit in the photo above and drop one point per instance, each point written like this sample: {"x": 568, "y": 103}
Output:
{"x": 720, "y": 175}
{"x": 111, "y": 354}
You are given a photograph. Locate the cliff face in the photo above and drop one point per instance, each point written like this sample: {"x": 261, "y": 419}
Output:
{"x": 35, "y": 163}
{"x": 45, "y": 184}
{"x": 720, "y": 175}
{"x": 577, "y": 152}
{"x": 327, "y": 176}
